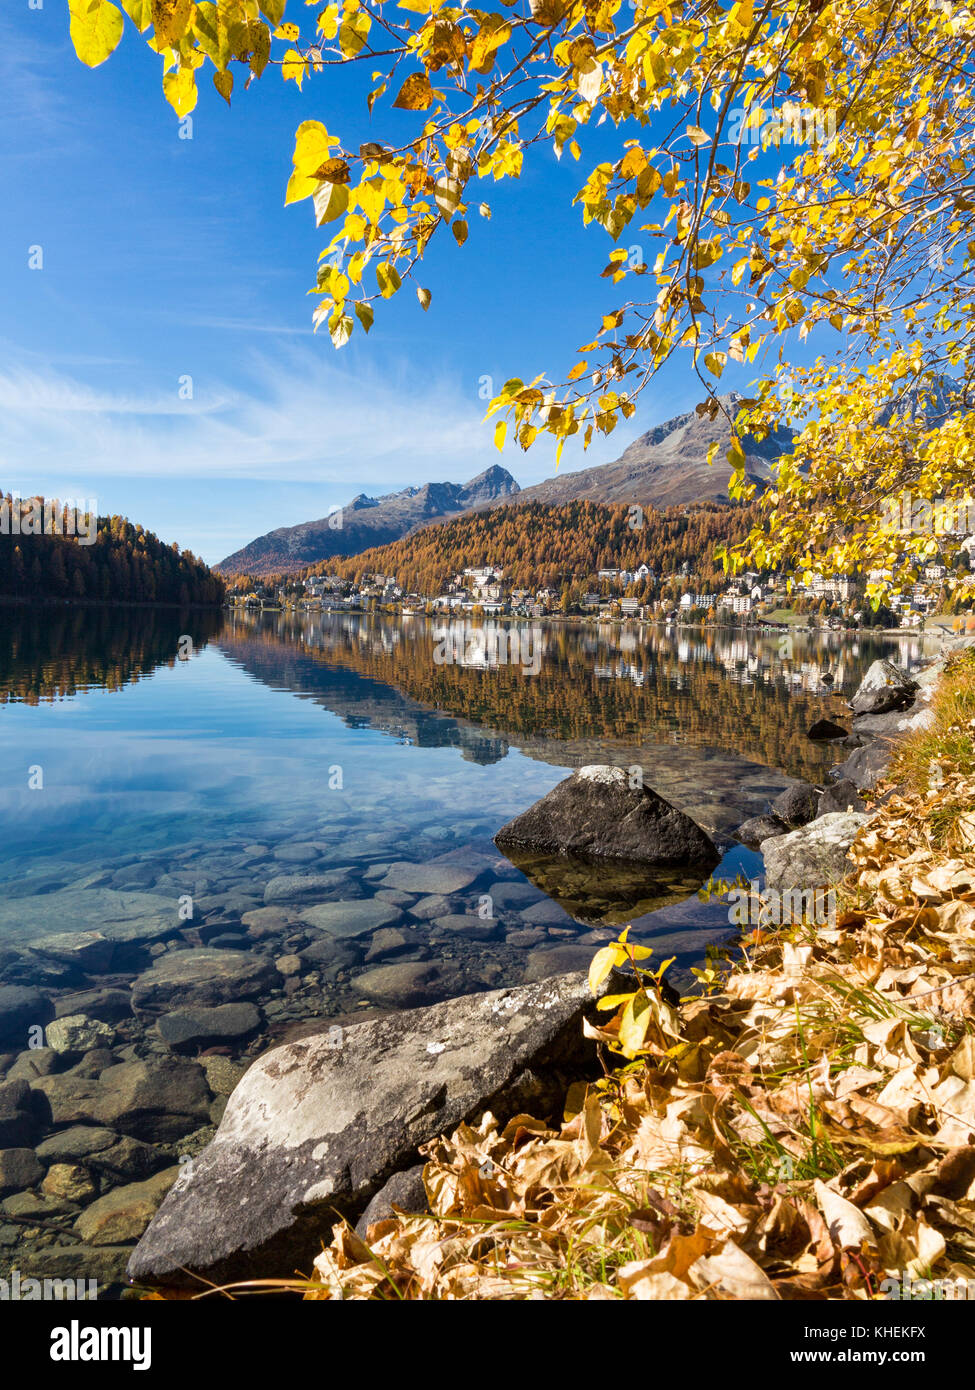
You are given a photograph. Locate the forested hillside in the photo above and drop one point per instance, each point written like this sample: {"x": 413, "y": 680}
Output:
{"x": 541, "y": 545}
{"x": 123, "y": 563}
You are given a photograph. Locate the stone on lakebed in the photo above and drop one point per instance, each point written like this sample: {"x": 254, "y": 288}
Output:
{"x": 597, "y": 813}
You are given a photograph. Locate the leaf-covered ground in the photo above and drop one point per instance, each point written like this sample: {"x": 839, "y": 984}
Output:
{"x": 804, "y": 1131}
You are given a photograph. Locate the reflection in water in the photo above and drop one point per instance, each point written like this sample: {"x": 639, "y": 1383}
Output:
{"x": 603, "y": 892}
{"x": 50, "y": 652}
{"x": 600, "y": 689}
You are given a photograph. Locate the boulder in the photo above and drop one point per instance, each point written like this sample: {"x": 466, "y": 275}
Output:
{"x": 813, "y": 855}
{"x": 436, "y": 877}
{"x": 70, "y": 1181}
{"x": 74, "y": 1033}
{"x": 825, "y": 729}
{"x": 80, "y": 1141}
{"x": 125, "y": 1212}
{"x": 357, "y": 917}
{"x": 16, "y": 1115}
{"x": 406, "y": 984}
{"x": 22, "y": 1008}
{"x": 317, "y": 1126}
{"x": 18, "y": 1169}
{"x": 752, "y": 832}
{"x": 866, "y": 766}
{"x": 107, "y": 1005}
{"x": 405, "y": 1190}
{"x": 159, "y": 1103}
{"x": 193, "y": 1027}
{"x": 843, "y": 796}
{"x": 596, "y": 813}
{"x": 797, "y": 804}
{"x": 202, "y": 977}
{"x": 306, "y": 888}
{"x": 884, "y": 687}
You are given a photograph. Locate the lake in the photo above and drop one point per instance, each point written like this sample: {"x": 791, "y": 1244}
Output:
{"x": 198, "y": 759}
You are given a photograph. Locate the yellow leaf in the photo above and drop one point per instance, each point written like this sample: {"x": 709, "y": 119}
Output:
{"x": 170, "y": 20}
{"x": 416, "y": 94}
{"x": 224, "y": 83}
{"x": 424, "y": 297}
{"x": 95, "y": 29}
{"x": 698, "y": 136}
{"x": 500, "y": 430}
{"x": 293, "y": 67}
{"x": 179, "y": 89}
{"x": 331, "y": 200}
{"x": 364, "y": 314}
{"x": 607, "y": 956}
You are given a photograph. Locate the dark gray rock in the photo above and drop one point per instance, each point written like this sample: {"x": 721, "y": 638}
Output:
{"x": 158, "y": 1103}
{"x": 317, "y": 1126}
{"x": 225, "y": 1023}
{"x": 404, "y": 1189}
{"x": 309, "y": 888}
{"x": 884, "y": 687}
{"x": 80, "y": 1141}
{"x": 16, "y": 1115}
{"x": 595, "y": 813}
{"x": 814, "y": 855}
{"x": 128, "y": 1160}
{"x": 752, "y": 832}
{"x": 106, "y": 1005}
{"x": 826, "y": 729}
{"x": 203, "y": 977}
{"x": 407, "y": 984}
{"x": 18, "y": 1169}
{"x": 22, "y": 1008}
{"x": 797, "y": 804}
{"x": 358, "y": 917}
{"x": 841, "y": 797}
{"x": 866, "y": 766}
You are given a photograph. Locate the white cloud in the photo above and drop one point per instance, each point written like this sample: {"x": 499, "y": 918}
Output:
{"x": 305, "y": 419}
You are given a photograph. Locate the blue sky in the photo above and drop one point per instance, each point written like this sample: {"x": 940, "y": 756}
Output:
{"x": 166, "y": 258}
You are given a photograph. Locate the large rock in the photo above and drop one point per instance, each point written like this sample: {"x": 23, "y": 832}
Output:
{"x": 842, "y": 796}
{"x": 357, "y": 917}
{"x": 754, "y": 831}
{"x": 866, "y": 766}
{"x": 884, "y": 687}
{"x": 306, "y": 888}
{"x": 90, "y": 927}
{"x": 18, "y": 1169}
{"x": 596, "y": 813}
{"x": 825, "y": 729}
{"x": 22, "y": 1008}
{"x": 436, "y": 877}
{"x": 225, "y": 1023}
{"x": 814, "y": 855}
{"x": 202, "y": 977}
{"x": 159, "y": 1103}
{"x": 16, "y": 1115}
{"x": 316, "y": 1127}
{"x": 125, "y": 1212}
{"x": 74, "y": 1033}
{"x": 797, "y": 804}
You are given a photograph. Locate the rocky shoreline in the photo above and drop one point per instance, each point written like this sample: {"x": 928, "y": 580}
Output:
{"x": 121, "y": 1046}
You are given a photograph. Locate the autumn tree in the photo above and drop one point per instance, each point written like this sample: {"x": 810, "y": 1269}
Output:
{"x": 802, "y": 171}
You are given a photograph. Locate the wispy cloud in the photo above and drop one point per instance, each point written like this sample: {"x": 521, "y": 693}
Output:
{"x": 304, "y": 419}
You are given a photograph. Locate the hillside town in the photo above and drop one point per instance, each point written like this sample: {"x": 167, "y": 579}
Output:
{"x": 619, "y": 594}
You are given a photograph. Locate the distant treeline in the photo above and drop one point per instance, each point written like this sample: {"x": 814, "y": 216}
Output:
{"x": 540, "y": 545}
{"x": 115, "y": 562}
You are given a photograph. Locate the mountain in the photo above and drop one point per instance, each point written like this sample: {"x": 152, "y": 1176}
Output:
{"x": 667, "y": 466}
{"x": 368, "y": 521}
